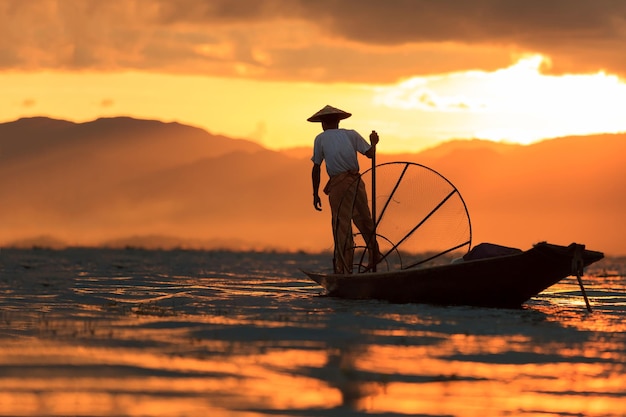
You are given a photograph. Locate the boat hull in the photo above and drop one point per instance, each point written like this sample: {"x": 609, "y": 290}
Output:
{"x": 502, "y": 281}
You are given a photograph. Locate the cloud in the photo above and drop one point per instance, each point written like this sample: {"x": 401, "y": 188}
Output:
{"x": 518, "y": 103}
{"x": 579, "y": 35}
{"x": 325, "y": 40}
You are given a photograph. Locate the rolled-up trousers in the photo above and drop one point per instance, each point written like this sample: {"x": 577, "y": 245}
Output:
{"x": 348, "y": 203}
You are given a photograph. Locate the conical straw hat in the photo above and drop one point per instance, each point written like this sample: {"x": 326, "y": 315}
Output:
{"x": 329, "y": 111}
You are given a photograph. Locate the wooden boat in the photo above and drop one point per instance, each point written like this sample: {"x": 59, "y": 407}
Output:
{"x": 504, "y": 281}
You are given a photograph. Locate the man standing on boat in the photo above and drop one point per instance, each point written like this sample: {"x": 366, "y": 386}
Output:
{"x": 339, "y": 147}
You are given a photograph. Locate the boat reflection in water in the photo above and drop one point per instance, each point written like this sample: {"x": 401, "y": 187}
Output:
{"x": 136, "y": 333}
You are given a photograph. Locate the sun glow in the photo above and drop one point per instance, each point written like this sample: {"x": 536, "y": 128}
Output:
{"x": 518, "y": 104}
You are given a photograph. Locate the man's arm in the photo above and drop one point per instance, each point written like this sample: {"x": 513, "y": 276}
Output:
{"x": 373, "y": 141}
{"x": 315, "y": 177}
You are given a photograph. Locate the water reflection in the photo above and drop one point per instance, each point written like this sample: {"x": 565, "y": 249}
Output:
{"x": 207, "y": 340}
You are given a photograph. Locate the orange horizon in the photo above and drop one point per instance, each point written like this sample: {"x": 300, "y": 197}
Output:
{"x": 149, "y": 183}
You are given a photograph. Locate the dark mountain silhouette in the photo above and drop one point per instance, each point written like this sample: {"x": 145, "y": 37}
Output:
{"x": 122, "y": 181}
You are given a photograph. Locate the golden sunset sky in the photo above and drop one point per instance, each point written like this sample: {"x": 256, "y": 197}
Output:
{"x": 417, "y": 71}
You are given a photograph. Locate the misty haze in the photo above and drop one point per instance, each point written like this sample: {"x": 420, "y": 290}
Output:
{"x": 128, "y": 182}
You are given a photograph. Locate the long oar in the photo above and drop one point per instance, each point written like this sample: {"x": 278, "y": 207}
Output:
{"x": 577, "y": 269}
{"x": 374, "y": 252}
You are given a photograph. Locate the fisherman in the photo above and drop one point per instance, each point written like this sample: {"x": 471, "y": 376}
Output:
{"x": 339, "y": 147}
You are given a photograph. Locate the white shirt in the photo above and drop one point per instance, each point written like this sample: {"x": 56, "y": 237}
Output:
{"x": 338, "y": 147}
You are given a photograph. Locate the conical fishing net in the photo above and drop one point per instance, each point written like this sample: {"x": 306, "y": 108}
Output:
{"x": 420, "y": 217}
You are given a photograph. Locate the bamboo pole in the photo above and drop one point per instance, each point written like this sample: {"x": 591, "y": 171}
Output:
{"x": 373, "y": 250}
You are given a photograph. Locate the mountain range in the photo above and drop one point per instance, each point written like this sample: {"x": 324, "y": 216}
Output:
{"x": 128, "y": 182}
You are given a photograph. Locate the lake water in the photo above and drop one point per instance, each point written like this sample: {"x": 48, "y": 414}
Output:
{"x": 185, "y": 333}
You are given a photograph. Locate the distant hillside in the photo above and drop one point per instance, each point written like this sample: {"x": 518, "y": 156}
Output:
{"x": 299, "y": 152}
{"x": 122, "y": 181}
{"x": 565, "y": 189}
{"x": 164, "y": 144}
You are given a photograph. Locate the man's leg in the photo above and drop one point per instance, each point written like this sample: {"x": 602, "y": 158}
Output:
{"x": 362, "y": 218}
{"x": 341, "y": 198}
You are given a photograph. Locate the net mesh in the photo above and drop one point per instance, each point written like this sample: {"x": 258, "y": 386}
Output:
{"x": 420, "y": 217}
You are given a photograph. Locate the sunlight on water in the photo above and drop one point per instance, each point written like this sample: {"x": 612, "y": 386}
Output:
{"x": 140, "y": 333}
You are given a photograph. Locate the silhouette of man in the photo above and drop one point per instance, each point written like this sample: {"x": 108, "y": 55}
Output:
{"x": 338, "y": 148}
